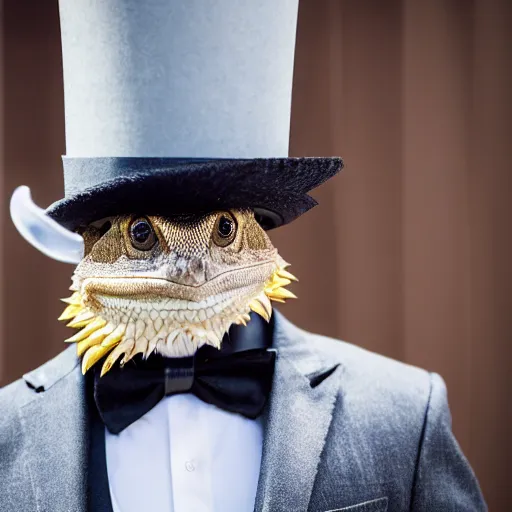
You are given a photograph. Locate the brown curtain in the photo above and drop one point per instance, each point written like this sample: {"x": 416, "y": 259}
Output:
{"x": 409, "y": 253}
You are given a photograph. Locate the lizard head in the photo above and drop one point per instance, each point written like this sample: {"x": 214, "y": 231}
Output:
{"x": 170, "y": 285}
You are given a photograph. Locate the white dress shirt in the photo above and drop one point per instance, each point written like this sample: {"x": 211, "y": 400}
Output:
{"x": 185, "y": 455}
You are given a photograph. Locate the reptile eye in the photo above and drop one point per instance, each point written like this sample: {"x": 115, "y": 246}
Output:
{"x": 225, "y": 229}
{"x": 142, "y": 235}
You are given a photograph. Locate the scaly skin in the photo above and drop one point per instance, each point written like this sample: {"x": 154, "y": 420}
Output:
{"x": 170, "y": 285}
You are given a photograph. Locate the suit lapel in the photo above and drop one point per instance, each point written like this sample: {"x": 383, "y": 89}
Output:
{"x": 297, "y": 422}
{"x": 55, "y": 426}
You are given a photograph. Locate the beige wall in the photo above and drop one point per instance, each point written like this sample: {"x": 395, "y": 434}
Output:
{"x": 409, "y": 253}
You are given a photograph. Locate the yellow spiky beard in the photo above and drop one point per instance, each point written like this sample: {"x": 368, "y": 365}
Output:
{"x": 98, "y": 337}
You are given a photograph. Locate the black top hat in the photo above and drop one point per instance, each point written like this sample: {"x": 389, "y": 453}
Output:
{"x": 276, "y": 188}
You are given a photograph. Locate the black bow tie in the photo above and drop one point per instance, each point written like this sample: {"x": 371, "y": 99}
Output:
{"x": 237, "y": 378}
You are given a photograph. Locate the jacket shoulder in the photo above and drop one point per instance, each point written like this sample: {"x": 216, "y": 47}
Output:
{"x": 379, "y": 400}
{"x": 18, "y": 393}
{"x": 374, "y": 377}
{"x": 26, "y": 423}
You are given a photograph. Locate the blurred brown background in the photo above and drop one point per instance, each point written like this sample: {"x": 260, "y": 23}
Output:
{"x": 409, "y": 253}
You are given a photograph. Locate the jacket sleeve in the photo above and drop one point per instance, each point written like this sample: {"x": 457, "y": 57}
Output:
{"x": 444, "y": 479}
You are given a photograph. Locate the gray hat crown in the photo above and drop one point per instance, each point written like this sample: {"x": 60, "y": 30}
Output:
{"x": 178, "y": 78}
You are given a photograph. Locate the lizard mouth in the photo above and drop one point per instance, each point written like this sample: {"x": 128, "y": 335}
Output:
{"x": 123, "y": 317}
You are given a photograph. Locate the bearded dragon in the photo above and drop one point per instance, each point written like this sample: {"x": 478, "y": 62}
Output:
{"x": 169, "y": 285}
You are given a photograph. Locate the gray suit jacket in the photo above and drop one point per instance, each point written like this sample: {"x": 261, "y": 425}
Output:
{"x": 345, "y": 429}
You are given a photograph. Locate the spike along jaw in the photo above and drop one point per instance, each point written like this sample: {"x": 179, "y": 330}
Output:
{"x": 170, "y": 285}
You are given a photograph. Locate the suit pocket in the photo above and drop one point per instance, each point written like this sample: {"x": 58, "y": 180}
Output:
{"x": 378, "y": 505}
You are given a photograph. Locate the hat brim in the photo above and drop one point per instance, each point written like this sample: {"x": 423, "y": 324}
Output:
{"x": 276, "y": 188}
